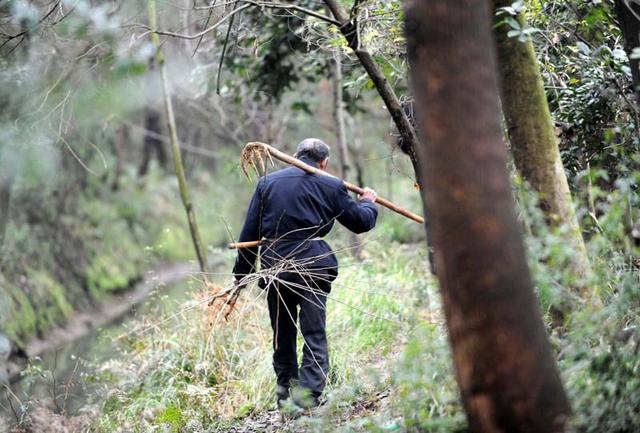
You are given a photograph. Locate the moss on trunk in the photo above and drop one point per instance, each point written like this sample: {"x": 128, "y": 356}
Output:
{"x": 531, "y": 134}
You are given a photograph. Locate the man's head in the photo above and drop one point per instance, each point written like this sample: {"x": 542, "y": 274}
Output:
{"x": 314, "y": 149}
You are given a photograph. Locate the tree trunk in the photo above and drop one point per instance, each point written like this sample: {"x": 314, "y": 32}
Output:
{"x": 122, "y": 135}
{"x": 533, "y": 142}
{"x": 503, "y": 360}
{"x": 338, "y": 110}
{"x": 6, "y": 182}
{"x": 152, "y": 141}
{"x": 341, "y": 138}
{"x": 628, "y": 13}
{"x": 175, "y": 146}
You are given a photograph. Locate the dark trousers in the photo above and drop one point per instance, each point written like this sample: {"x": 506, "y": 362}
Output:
{"x": 304, "y": 300}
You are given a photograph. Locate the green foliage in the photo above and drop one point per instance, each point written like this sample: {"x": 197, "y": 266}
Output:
{"x": 171, "y": 415}
{"x": 514, "y": 18}
{"x": 588, "y": 81}
{"x": 601, "y": 364}
{"x": 21, "y": 320}
{"x": 597, "y": 347}
{"x": 427, "y": 392}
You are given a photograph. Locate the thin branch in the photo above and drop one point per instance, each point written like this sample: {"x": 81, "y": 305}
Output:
{"x": 202, "y": 37}
{"x": 246, "y": 4}
{"x": 47, "y": 15}
{"x": 278, "y": 5}
{"x": 197, "y": 35}
{"x": 224, "y": 51}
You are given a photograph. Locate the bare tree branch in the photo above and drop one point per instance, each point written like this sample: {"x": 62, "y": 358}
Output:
{"x": 245, "y": 5}
{"x": 197, "y": 35}
{"x": 278, "y": 5}
{"x": 44, "y": 17}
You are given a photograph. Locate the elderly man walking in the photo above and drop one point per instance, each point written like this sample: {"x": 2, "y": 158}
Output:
{"x": 291, "y": 210}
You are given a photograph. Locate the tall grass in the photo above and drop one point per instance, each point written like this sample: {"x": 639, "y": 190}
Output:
{"x": 195, "y": 371}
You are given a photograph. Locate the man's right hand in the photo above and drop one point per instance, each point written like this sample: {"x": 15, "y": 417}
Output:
{"x": 369, "y": 194}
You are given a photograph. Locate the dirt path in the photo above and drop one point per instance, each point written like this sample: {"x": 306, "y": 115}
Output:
{"x": 331, "y": 414}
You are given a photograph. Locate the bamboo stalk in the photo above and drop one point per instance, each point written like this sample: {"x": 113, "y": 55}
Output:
{"x": 247, "y": 244}
{"x": 351, "y": 187}
{"x": 175, "y": 146}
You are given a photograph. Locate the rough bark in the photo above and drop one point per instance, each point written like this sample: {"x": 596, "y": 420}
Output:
{"x": 628, "y": 13}
{"x": 502, "y": 357}
{"x": 532, "y": 137}
{"x": 175, "y": 145}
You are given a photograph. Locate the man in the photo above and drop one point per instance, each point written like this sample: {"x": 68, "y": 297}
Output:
{"x": 291, "y": 210}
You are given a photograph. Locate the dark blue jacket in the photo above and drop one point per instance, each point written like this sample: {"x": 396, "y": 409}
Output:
{"x": 291, "y": 210}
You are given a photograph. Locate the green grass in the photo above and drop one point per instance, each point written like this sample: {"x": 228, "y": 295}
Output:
{"x": 216, "y": 372}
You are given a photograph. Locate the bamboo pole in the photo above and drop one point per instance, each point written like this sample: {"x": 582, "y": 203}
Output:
{"x": 259, "y": 147}
{"x": 175, "y": 147}
{"x": 247, "y": 244}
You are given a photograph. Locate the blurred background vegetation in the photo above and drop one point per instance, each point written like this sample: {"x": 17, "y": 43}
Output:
{"x": 89, "y": 203}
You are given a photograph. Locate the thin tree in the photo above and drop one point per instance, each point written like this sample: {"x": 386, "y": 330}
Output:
{"x": 6, "y": 181}
{"x": 532, "y": 137}
{"x": 175, "y": 145}
{"x": 152, "y": 141}
{"x": 338, "y": 115}
{"x": 349, "y": 29}
{"x": 341, "y": 139}
{"x": 503, "y": 360}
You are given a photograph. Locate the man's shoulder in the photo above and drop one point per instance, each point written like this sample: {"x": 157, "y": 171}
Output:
{"x": 284, "y": 172}
{"x": 304, "y": 181}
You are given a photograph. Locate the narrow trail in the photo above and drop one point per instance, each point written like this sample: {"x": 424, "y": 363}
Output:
{"x": 271, "y": 421}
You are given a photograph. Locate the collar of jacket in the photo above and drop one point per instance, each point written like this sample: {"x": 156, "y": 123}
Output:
{"x": 308, "y": 161}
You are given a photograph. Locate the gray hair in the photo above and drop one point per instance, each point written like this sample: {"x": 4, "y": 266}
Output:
{"x": 314, "y": 149}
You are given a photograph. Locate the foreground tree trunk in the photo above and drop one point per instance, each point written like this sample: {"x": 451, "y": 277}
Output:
{"x": 532, "y": 137}
{"x": 503, "y": 360}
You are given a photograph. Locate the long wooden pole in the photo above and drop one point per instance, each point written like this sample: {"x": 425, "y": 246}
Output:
{"x": 351, "y": 187}
{"x": 175, "y": 145}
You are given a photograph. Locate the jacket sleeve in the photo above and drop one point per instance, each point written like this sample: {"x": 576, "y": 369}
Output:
{"x": 246, "y": 258}
{"x": 357, "y": 216}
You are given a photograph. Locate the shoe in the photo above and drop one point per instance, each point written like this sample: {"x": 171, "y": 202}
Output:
{"x": 282, "y": 394}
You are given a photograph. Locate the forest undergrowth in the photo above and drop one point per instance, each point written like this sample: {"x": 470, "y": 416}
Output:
{"x": 209, "y": 373}
{"x": 186, "y": 368}
{"x": 391, "y": 367}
